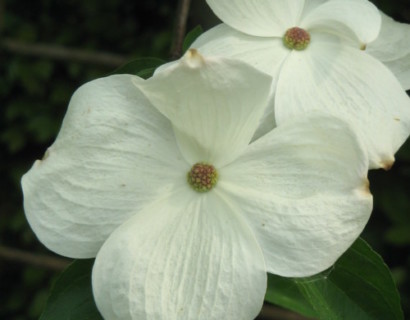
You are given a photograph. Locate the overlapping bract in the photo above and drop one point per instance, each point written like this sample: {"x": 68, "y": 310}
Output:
{"x": 392, "y": 48}
{"x": 334, "y": 74}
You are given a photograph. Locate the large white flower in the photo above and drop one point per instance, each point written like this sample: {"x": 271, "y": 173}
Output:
{"x": 184, "y": 216}
{"x": 314, "y": 49}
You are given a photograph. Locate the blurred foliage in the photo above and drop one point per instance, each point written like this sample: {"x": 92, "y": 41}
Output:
{"x": 34, "y": 93}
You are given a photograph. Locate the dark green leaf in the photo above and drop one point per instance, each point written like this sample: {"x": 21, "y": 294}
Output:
{"x": 72, "y": 298}
{"x": 359, "y": 286}
{"x": 286, "y": 293}
{"x": 146, "y": 73}
{"x": 143, "y": 67}
{"x": 191, "y": 37}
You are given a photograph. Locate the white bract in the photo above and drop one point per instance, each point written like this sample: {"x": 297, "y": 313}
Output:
{"x": 114, "y": 185}
{"x": 392, "y": 47}
{"x": 332, "y": 73}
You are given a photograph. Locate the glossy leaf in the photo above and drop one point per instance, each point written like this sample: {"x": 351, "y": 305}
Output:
{"x": 71, "y": 297}
{"x": 191, "y": 37}
{"x": 285, "y": 292}
{"x": 359, "y": 286}
{"x": 142, "y": 67}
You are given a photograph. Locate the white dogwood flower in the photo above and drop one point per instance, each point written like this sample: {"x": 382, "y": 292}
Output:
{"x": 315, "y": 51}
{"x": 157, "y": 179}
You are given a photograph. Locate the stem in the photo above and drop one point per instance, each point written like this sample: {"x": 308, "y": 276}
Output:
{"x": 61, "y": 53}
{"x": 37, "y": 260}
{"x": 2, "y": 10}
{"x": 180, "y": 28}
{"x": 270, "y": 312}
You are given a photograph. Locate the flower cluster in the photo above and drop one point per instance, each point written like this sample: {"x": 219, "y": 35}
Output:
{"x": 246, "y": 156}
{"x": 336, "y": 72}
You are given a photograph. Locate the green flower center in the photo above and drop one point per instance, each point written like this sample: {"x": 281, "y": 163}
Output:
{"x": 296, "y": 38}
{"x": 202, "y": 177}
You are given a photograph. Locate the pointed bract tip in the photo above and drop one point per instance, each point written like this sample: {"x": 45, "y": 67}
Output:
{"x": 366, "y": 185}
{"x": 387, "y": 164}
{"x": 364, "y": 189}
{"x": 194, "y": 59}
{"x": 44, "y": 158}
{"x": 46, "y": 154}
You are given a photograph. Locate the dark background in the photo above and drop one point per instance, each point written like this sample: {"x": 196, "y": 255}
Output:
{"x": 34, "y": 92}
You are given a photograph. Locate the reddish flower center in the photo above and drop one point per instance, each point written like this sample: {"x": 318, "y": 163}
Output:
{"x": 296, "y": 38}
{"x": 202, "y": 177}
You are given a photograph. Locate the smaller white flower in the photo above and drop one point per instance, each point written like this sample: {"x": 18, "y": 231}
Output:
{"x": 315, "y": 51}
{"x": 184, "y": 216}
{"x": 392, "y": 47}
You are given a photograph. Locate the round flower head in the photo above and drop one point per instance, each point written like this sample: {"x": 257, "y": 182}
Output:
{"x": 296, "y": 38}
{"x": 316, "y": 52}
{"x": 157, "y": 179}
{"x": 202, "y": 177}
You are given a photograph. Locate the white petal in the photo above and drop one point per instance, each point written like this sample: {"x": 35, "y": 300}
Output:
{"x": 213, "y": 109}
{"x": 265, "y": 54}
{"x": 114, "y": 154}
{"x": 311, "y": 5}
{"x": 393, "y": 49}
{"x": 264, "y": 18}
{"x": 268, "y": 122}
{"x": 304, "y": 190}
{"x": 351, "y": 84}
{"x": 188, "y": 258}
{"x": 360, "y": 16}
